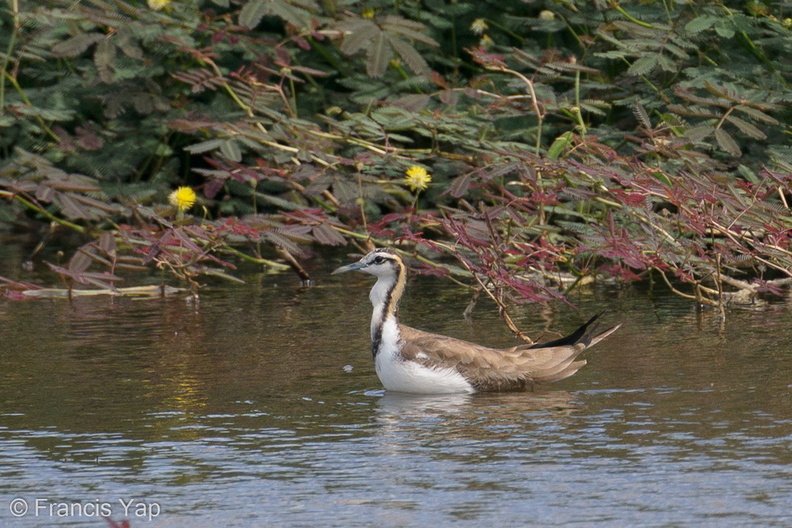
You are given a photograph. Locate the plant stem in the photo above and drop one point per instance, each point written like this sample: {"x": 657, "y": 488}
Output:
{"x": 578, "y": 113}
{"x": 628, "y": 16}
{"x": 255, "y": 260}
{"x": 21, "y": 92}
{"x": 512, "y": 34}
{"x": 52, "y": 217}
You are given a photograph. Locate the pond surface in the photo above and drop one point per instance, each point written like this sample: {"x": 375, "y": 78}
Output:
{"x": 259, "y": 406}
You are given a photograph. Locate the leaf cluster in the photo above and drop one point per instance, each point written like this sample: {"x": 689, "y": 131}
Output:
{"x": 564, "y": 139}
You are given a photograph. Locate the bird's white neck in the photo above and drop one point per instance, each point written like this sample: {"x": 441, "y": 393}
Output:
{"x": 385, "y": 297}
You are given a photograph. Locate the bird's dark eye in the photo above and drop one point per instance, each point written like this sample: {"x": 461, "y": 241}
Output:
{"x": 378, "y": 260}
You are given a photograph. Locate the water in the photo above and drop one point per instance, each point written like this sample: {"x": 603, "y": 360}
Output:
{"x": 258, "y": 406}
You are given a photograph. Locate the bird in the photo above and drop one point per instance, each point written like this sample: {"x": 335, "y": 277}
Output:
{"x": 415, "y": 361}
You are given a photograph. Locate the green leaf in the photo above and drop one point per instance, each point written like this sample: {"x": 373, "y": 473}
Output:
{"x": 697, "y": 133}
{"x": 746, "y": 127}
{"x": 666, "y": 63}
{"x": 126, "y": 42}
{"x": 104, "y": 59}
{"x": 394, "y": 118}
{"x": 661, "y": 176}
{"x": 757, "y": 114}
{"x": 294, "y": 15}
{"x": 282, "y": 203}
{"x": 251, "y": 13}
{"x": 410, "y": 56}
{"x": 640, "y": 113}
{"x": 400, "y": 138}
{"x": 594, "y": 106}
{"x": 407, "y": 28}
{"x": 701, "y": 23}
{"x": 725, "y": 29}
{"x": 46, "y": 113}
{"x": 379, "y": 56}
{"x": 215, "y": 272}
{"x": 413, "y": 102}
{"x": 676, "y": 50}
{"x": 748, "y": 174}
{"x": 727, "y": 143}
{"x": 362, "y": 33}
{"x": 559, "y": 145}
{"x": 76, "y": 45}
{"x": 611, "y": 54}
{"x": 230, "y": 149}
{"x": 205, "y": 146}
{"x": 346, "y": 191}
{"x": 643, "y": 65}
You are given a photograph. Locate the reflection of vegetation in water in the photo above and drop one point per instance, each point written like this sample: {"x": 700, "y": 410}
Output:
{"x": 564, "y": 143}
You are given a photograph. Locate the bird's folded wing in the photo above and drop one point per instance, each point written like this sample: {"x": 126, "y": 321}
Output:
{"x": 489, "y": 368}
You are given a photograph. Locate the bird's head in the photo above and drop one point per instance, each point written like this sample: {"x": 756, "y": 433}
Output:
{"x": 380, "y": 262}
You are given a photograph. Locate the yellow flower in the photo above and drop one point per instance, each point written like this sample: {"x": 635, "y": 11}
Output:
{"x": 417, "y": 178}
{"x": 182, "y": 198}
{"x": 479, "y": 26}
{"x": 156, "y": 5}
{"x": 368, "y": 13}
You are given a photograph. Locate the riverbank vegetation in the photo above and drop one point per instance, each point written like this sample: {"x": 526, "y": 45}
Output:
{"x": 520, "y": 148}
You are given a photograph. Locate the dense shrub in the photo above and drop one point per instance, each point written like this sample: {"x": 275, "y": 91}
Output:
{"x": 564, "y": 139}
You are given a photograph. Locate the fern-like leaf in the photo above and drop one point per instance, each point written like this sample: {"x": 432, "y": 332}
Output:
{"x": 699, "y": 132}
{"x": 230, "y": 149}
{"x": 293, "y": 14}
{"x": 104, "y": 59}
{"x": 701, "y": 23}
{"x": 641, "y": 115}
{"x": 746, "y": 127}
{"x": 362, "y": 33}
{"x": 643, "y": 65}
{"x": 378, "y": 57}
{"x": 76, "y": 45}
{"x": 727, "y": 143}
{"x": 756, "y": 114}
{"x": 407, "y": 28}
{"x": 410, "y": 55}
{"x": 253, "y": 11}
{"x": 205, "y": 146}
{"x": 199, "y": 79}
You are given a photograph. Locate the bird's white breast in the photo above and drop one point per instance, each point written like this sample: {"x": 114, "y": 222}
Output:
{"x": 398, "y": 374}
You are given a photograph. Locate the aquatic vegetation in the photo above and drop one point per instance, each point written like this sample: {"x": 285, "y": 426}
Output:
{"x": 565, "y": 141}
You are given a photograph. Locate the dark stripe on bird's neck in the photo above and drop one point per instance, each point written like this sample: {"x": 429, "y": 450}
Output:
{"x": 391, "y": 305}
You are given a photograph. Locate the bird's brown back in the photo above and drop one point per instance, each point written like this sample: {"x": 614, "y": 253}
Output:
{"x": 490, "y": 369}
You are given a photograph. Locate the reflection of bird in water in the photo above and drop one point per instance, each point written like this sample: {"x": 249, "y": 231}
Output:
{"x": 405, "y": 405}
{"x": 419, "y": 405}
{"x": 489, "y": 417}
{"x": 410, "y": 360}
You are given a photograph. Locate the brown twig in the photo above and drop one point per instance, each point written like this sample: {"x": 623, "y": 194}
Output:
{"x": 502, "y": 310}
{"x": 296, "y": 266}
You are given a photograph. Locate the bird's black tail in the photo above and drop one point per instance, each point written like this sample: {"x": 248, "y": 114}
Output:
{"x": 584, "y": 334}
